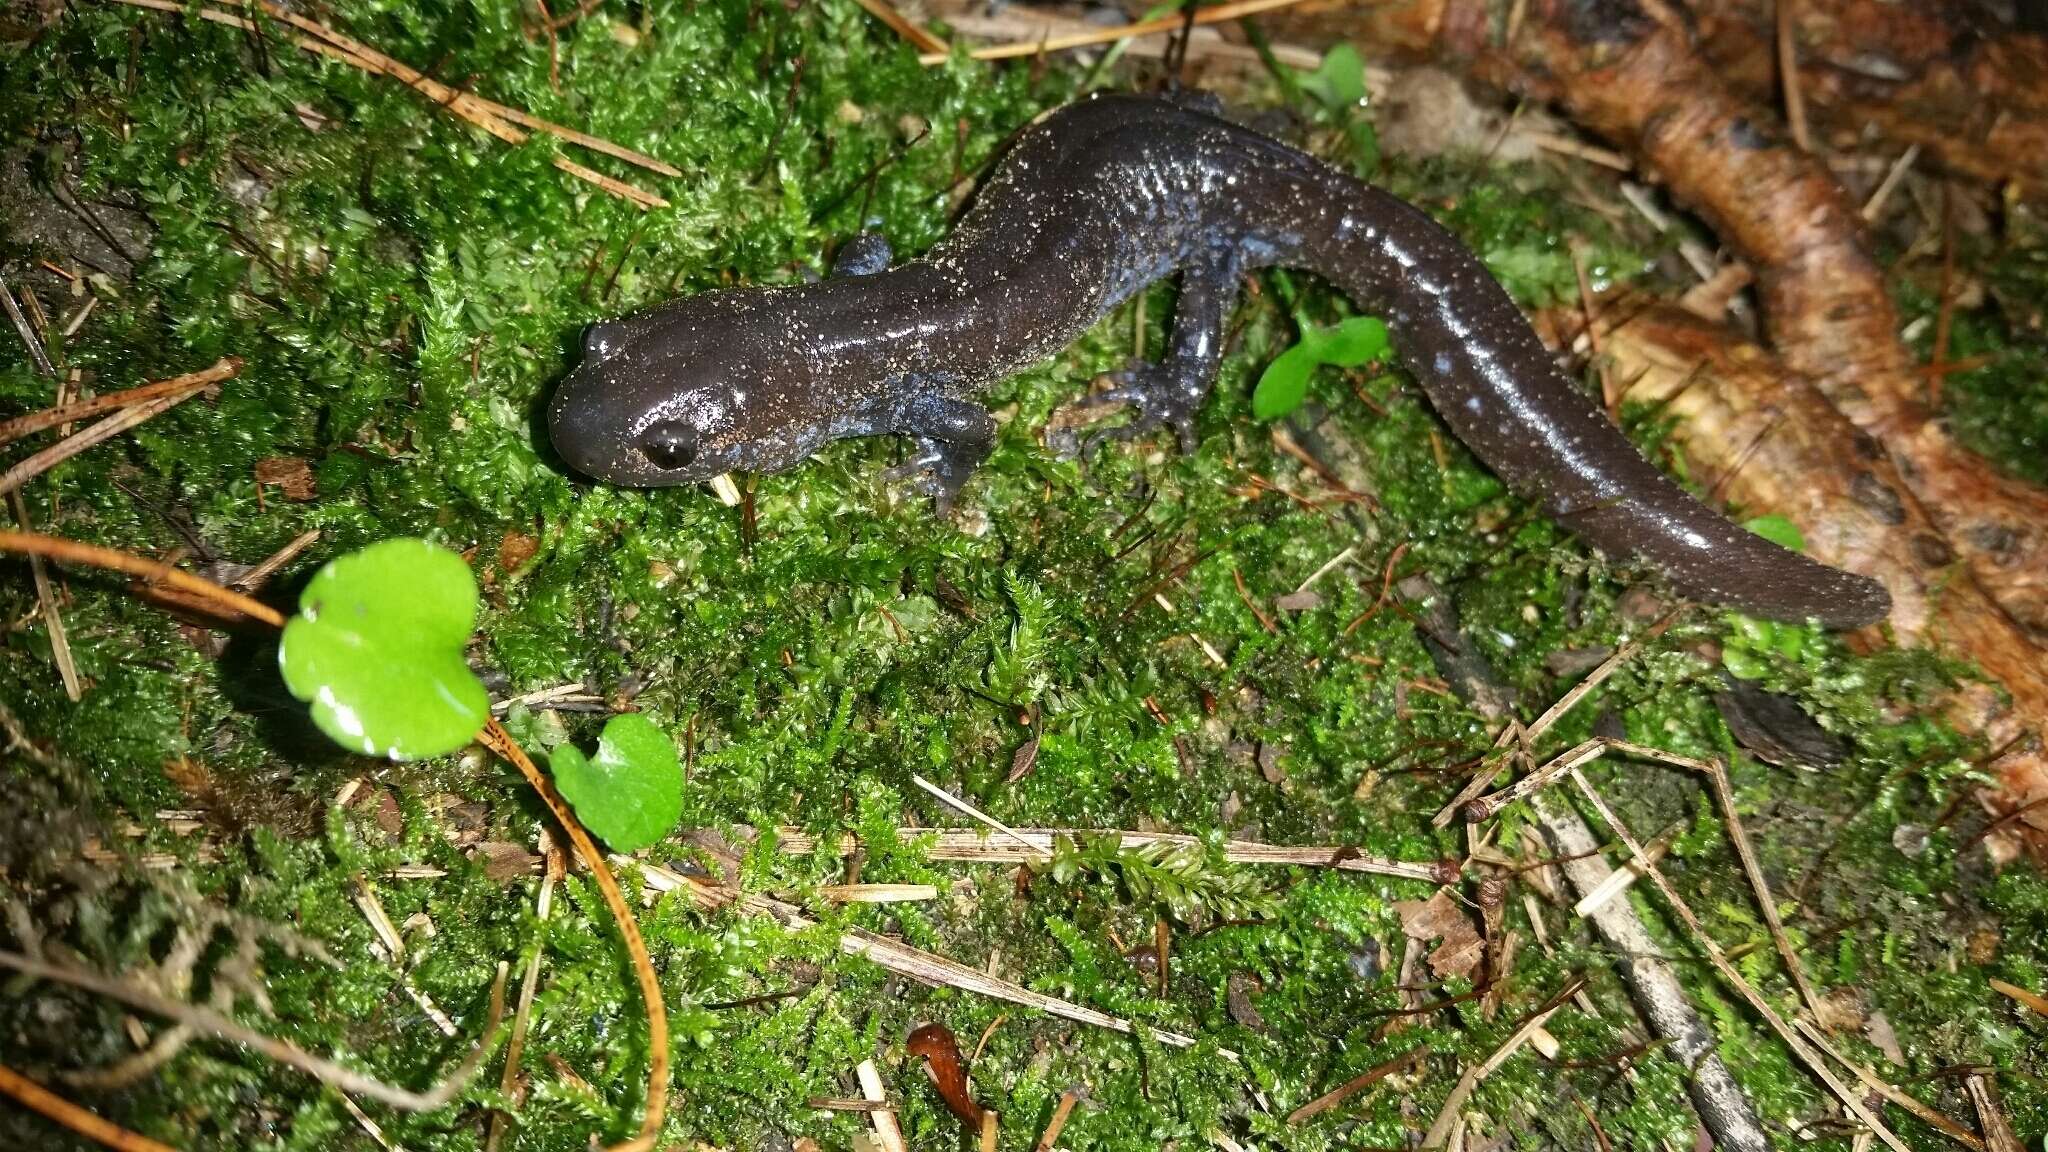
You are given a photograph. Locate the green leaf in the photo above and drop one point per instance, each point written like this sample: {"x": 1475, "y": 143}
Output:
{"x": 630, "y": 793}
{"x": 376, "y": 649}
{"x": 1339, "y": 81}
{"x": 1777, "y": 530}
{"x": 1356, "y": 340}
{"x": 1284, "y": 383}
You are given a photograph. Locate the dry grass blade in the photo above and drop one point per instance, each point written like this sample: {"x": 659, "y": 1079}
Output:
{"x": 1440, "y": 1131}
{"x": 72, "y": 552}
{"x": 20, "y": 426}
{"x": 1724, "y": 795}
{"x": 41, "y": 1100}
{"x": 877, "y": 893}
{"x": 500, "y": 741}
{"x": 522, "y": 1012}
{"x": 888, "y": 1133}
{"x": 213, "y": 1024}
{"x": 1164, "y": 24}
{"x": 969, "y": 810}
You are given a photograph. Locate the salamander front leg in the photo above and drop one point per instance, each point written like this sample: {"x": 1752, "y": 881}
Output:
{"x": 953, "y": 437}
{"x": 1170, "y": 392}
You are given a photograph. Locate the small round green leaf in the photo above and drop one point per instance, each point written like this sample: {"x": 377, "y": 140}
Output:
{"x": 631, "y": 793}
{"x": 1778, "y": 530}
{"x": 376, "y": 649}
{"x": 1284, "y": 383}
{"x": 1357, "y": 340}
{"x": 1339, "y": 81}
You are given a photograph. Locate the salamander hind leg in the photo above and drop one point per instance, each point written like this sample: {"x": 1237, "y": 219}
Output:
{"x": 952, "y": 437}
{"x": 1170, "y": 392}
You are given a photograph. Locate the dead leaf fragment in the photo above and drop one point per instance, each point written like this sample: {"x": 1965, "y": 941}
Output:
{"x": 515, "y": 550}
{"x": 293, "y": 475}
{"x": 1441, "y": 917}
{"x": 941, "y": 1052}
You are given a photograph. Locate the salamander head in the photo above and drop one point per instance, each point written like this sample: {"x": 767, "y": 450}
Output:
{"x": 677, "y": 395}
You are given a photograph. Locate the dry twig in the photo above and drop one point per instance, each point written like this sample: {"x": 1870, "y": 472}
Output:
{"x": 1729, "y": 973}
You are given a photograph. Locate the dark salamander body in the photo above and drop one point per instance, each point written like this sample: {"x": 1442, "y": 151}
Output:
{"x": 1092, "y": 203}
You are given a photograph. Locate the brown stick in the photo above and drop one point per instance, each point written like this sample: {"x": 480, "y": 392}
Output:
{"x": 37, "y": 1098}
{"x": 223, "y": 369}
{"x": 500, "y": 741}
{"x": 73, "y": 552}
{"x": 1350, "y": 1088}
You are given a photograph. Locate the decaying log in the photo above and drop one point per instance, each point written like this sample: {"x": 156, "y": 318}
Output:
{"x": 1637, "y": 81}
{"x": 1972, "y": 95}
{"x": 1765, "y": 438}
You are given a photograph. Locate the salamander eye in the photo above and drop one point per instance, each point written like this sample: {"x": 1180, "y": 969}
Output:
{"x": 600, "y": 340}
{"x": 670, "y": 445}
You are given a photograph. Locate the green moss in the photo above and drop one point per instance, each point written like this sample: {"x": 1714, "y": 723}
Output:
{"x": 405, "y": 291}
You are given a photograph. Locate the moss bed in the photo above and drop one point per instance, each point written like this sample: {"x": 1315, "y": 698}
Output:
{"x": 405, "y": 291}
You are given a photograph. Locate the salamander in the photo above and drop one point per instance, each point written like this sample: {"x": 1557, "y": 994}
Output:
{"x": 1092, "y": 202}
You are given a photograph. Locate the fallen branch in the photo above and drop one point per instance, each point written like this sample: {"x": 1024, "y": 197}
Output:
{"x": 1638, "y": 81}
{"x": 1729, "y": 973}
{"x": 1780, "y": 447}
